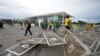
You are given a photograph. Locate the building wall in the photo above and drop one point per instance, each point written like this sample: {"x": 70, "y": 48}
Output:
{"x": 40, "y": 20}
{"x": 50, "y": 18}
{"x": 53, "y": 17}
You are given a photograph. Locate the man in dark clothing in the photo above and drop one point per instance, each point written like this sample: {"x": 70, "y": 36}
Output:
{"x": 45, "y": 24}
{"x": 1, "y": 25}
{"x": 28, "y": 29}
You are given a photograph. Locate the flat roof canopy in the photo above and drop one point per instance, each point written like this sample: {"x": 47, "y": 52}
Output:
{"x": 57, "y": 13}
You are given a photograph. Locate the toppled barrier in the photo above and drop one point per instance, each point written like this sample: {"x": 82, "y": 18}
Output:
{"x": 74, "y": 46}
{"x": 53, "y": 39}
{"x": 24, "y": 45}
{"x": 90, "y": 39}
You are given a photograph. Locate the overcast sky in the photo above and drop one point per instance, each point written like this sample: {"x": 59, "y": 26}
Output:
{"x": 87, "y": 10}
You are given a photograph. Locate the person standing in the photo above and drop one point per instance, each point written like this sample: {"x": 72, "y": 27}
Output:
{"x": 1, "y": 25}
{"x": 54, "y": 26}
{"x": 57, "y": 25}
{"x": 50, "y": 25}
{"x": 45, "y": 25}
{"x": 28, "y": 29}
{"x": 67, "y": 23}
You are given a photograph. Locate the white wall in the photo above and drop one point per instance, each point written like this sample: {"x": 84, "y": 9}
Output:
{"x": 40, "y": 20}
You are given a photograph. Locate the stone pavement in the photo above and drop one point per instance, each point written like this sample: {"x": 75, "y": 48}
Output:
{"x": 9, "y": 35}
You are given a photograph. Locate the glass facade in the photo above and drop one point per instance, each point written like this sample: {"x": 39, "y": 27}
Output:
{"x": 55, "y": 18}
{"x": 52, "y": 17}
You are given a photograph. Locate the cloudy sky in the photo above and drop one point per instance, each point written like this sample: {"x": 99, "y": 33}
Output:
{"x": 87, "y": 10}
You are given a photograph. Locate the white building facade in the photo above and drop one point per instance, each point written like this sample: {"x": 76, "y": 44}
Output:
{"x": 59, "y": 16}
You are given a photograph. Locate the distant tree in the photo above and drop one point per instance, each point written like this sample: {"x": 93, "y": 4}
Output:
{"x": 98, "y": 23}
{"x": 75, "y": 22}
{"x": 81, "y": 22}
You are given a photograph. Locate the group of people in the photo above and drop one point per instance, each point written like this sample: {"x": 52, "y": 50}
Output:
{"x": 50, "y": 25}
{"x": 55, "y": 25}
{"x": 45, "y": 25}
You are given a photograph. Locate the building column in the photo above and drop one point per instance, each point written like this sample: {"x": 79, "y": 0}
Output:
{"x": 38, "y": 22}
{"x": 54, "y": 17}
{"x": 48, "y": 18}
{"x": 63, "y": 18}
